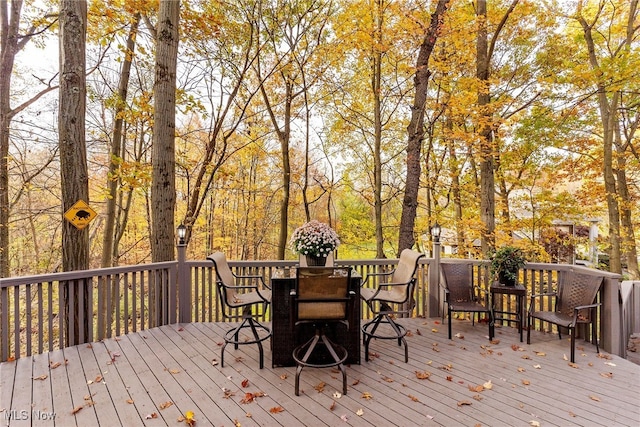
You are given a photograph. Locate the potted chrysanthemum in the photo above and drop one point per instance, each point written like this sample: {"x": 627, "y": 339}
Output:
{"x": 315, "y": 240}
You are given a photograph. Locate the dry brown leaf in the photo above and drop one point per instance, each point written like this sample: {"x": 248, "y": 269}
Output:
{"x": 541, "y": 353}
{"x": 245, "y": 383}
{"x": 475, "y": 388}
{"x": 355, "y": 382}
{"x": 495, "y": 341}
{"x": 424, "y": 375}
{"x": 320, "y": 387}
{"x": 449, "y": 378}
{"x": 333, "y": 405}
{"x": 572, "y": 414}
{"x": 130, "y": 401}
{"x": 360, "y": 412}
{"x": 477, "y": 397}
{"x": 596, "y": 398}
{"x": 165, "y": 405}
{"x": 415, "y": 399}
{"x": 41, "y": 377}
{"x": 573, "y": 365}
{"x": 55, "y": 365}
{"x": 76, "y": 410}
{"x": 283, "y": 376}
{"x": 521, "y": 369}
{"x": 464, "y": 402}
{"x": 189, "y": 418}
{"x": 276, "y": 409}
{"x": 606, "y": 374}
{"x": 526, "y": 382}
{"x": 98, "y": 379}
{"x": 174, "y": 371}
{"x": 524, "y": 356}
{"x": 514, "y": 347}
{"x": 488, "y": 385}
{"x": 387, "y": 379}
{"x": 366, "y": 395}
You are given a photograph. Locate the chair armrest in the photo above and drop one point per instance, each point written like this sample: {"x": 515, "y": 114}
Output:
{"x": 373, "y": 275}
{"x": 577, "y": 309}
{"x": 258, "y": 277}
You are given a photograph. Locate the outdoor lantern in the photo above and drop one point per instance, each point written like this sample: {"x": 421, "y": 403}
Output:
{"x": 182, "y": 233}
{"x": 435, "y": 232}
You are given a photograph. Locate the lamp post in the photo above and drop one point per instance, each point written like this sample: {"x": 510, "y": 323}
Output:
{"x": 434, "y": 276}
{"x": 184, "y": 281}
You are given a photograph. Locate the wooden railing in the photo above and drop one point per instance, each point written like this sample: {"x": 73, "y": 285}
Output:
{"x": 35, "y": 319}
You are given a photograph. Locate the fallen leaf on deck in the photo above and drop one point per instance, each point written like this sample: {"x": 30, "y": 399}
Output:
{"x": 526, "y": 382}
{"x": 609, "y": 363}
{"x": 423, "y": 375}
{"x": 320, "y": 387}
{"x": 603, "y": 356}
{"x": 165, "y": 405}
{"x": 151, "y": 416}
{"x": 418, "y": 332}
{"x": 214, "y": 362}
{"x": 174, "y": 371}
{"x": 180, "y": 329}
{"x": 459, "y": 335}
{"x": 534, "y": 423}
{"x": 415, "y": 399}
{"x": 540, "y": 353}
{"x": 366, "y": 395}
{"x": 606, "y": 374}
{"x": 55, "y": 365}
{"x": 276, "y": 409}
{"x": 360, "y": 412}
{"x": 495, "y": 341}
{"x": 344, "y": 418}
{"x": 537, "y": 366}
{"x": 337, "y": 395}
{"x": 596, "y": 398}
{"x": 488, "y": 385}
{"x": 449, "y": 378}
{"x": 189, "y": 418}
{"x": 514, "y": 347}
{"x": 283, "y": 376}
{"x": 475, "y": 388}
{"x": 130, "y": 401}
{"x": 76, "y": 410}
{"x": 245, "y": 383}
{"x": 573, "y": 365}
{"x": 521, "y": 369}
{"x": 355, "y": 382}
{"x": 333, "y": 405}
{"x": 250, "y": 397}
{"x": 387, "y": 379}
{"x": 98, "y": 379}
{"x": 464, "y": 402}
{"x": 434, "y": 330}
{"x": 525, "y": 356}
{"x": 236, "y": 423}
{"x": 477, "y": 397}
{"x": 41, "y": 377}
{"x": 409, "y": 333}
{"x": 564, "y": 356}
{"x": 572, "y": 414}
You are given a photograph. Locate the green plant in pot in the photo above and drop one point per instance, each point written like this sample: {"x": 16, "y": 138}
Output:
{"x": 506, "y": 263}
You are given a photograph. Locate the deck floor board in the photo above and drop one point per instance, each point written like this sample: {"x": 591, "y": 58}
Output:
{"x": 130, "y": 379}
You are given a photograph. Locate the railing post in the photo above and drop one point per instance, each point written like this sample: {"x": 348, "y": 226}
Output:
{"x": 184, "y": 278}
{"x": 434, "y": 274}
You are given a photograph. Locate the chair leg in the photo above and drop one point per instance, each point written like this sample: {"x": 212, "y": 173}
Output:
{"x": 528, "y": 329}
{"x": 449, "y": 312}
{"x": 258, "y": 341}
{"x": 572, "y": 332}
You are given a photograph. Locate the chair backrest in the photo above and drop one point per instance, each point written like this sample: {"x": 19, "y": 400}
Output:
{"x": 457, "y": 279}
{"x": 225, "y": 279}
{"x": 322, "y": 293}
{"x": 576, "y": 289}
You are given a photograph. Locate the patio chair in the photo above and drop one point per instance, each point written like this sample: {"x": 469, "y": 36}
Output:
{"x": 460, "y": 294}
{"x": 573, "y": 305}
{"x": 238, "y": 296}
{"x": 321, "y": 297}
{"x": 393, "y": 295}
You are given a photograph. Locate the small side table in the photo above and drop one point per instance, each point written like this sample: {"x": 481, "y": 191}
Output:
{"x": 520, "y": 292}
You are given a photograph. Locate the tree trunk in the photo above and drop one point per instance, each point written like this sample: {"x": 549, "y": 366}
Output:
{"x": 415, "y": 130}
{"x": 116, "y": 151}
{"x": 73, "y": 160}
{"x": 377, "y": 131}
{"x": 485, "y": 133}
{"x": 163, "y": 187}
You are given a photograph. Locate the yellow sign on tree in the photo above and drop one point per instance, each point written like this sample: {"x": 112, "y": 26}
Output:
{"x": 80, "y": 214}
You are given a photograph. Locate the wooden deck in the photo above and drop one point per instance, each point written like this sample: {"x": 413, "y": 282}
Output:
{"x": 155, "y": 376}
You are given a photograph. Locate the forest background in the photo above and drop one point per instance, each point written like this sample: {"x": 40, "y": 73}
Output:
{"x": 294, "y": 110}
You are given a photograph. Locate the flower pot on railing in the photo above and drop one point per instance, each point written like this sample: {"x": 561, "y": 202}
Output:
{"x": 313, "y": 261}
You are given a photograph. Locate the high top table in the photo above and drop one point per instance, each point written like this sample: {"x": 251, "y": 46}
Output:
{"x": 517, "y": 316}
{"x": 283, "y": 338}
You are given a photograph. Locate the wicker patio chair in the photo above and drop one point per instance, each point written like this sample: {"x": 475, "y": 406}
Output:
{"x": 238, "y": 294}
{"x": 389, "y": 298}
{"x": 322, "y": 297}
{"x": 573, "y": 305}
{"x": 461, "y": 295}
